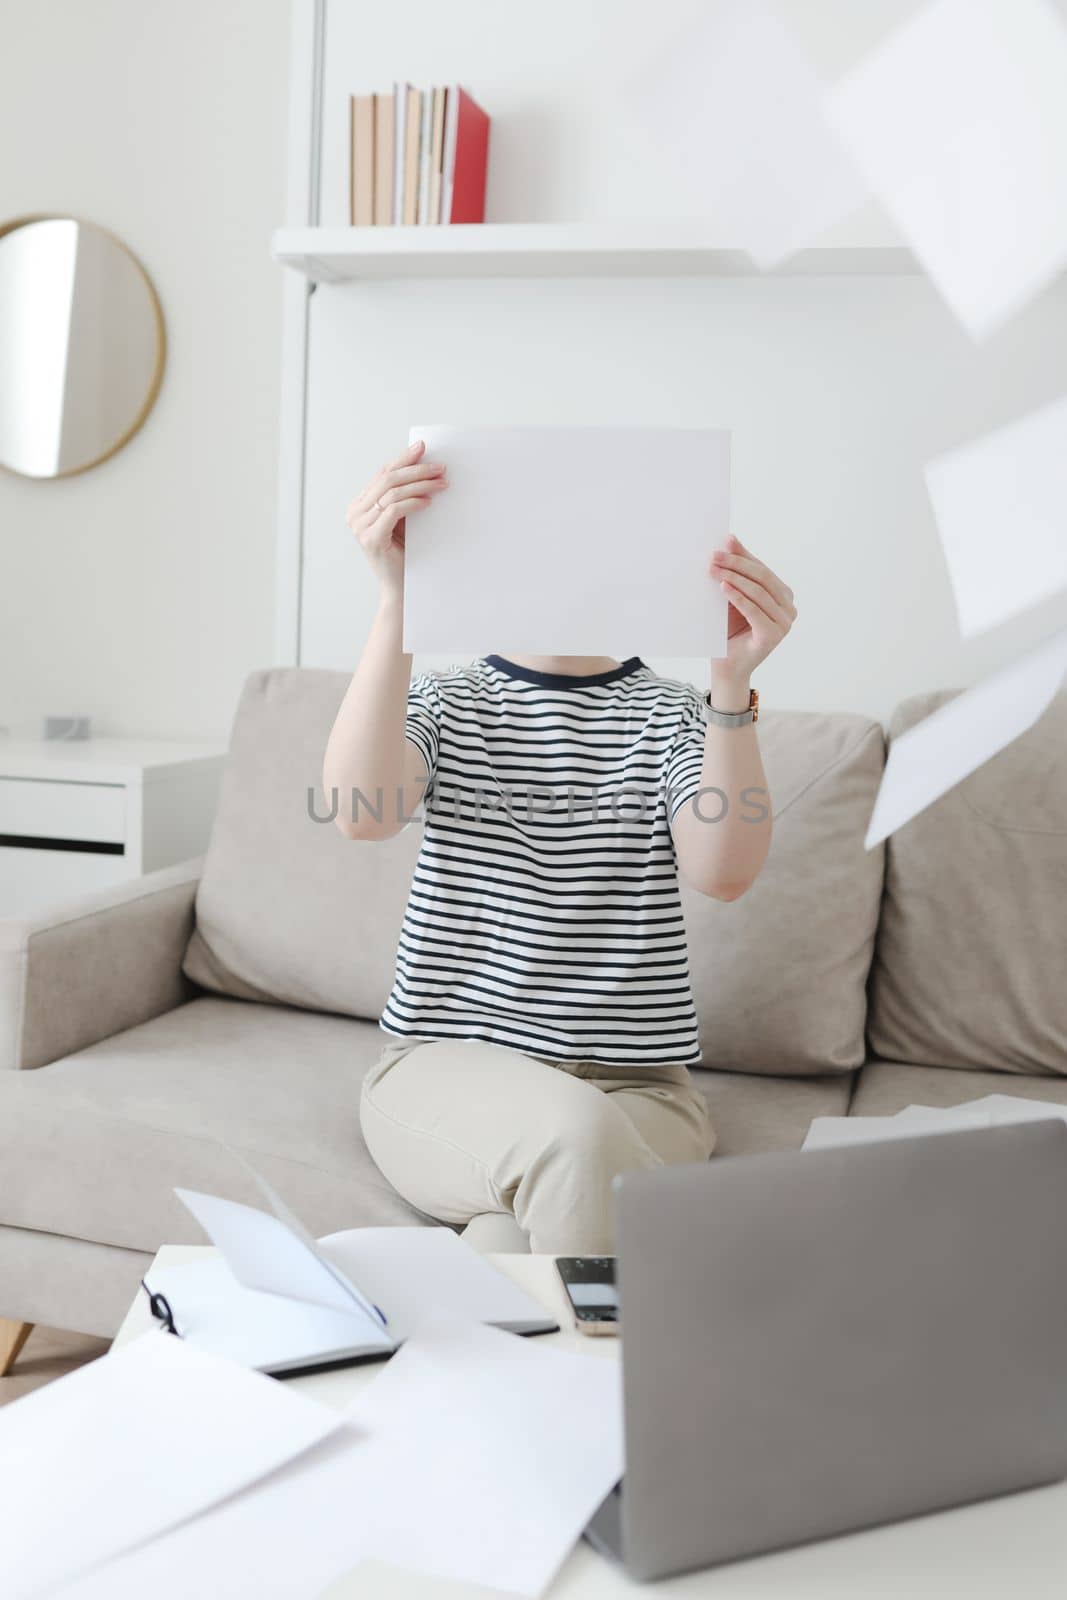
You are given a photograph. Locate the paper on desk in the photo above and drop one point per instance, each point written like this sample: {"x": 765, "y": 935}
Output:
{"x": 959, "y": 124}
{"x": 473, "y": 1455}
{"x": 506, "y": 1447}
{"x": 931, "y": 758}
{"x": 735, "y": 107}
{"x": 131, "y": 1445}
{"x": 1001, "y": 509}
{"x": 571, "y": 541}
{"x": 263, "y": 1252}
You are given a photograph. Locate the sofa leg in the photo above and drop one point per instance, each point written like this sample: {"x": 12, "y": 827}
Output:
{"x": 13, "y": 1336}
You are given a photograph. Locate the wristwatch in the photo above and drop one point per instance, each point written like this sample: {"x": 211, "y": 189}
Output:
{"x": 732, "y": 719}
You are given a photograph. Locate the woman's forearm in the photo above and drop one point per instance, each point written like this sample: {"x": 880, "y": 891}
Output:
{"x": 377, "y": 774}
{"x": 722, "y": 836}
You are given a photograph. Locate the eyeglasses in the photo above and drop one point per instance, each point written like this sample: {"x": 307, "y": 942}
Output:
{"x": 159, "y": 1306}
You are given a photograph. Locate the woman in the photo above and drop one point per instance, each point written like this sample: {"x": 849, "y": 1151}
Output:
{"x": 541, "y": 1023}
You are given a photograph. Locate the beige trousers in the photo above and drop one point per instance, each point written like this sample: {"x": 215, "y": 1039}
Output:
{"x": 474, "y": 1133}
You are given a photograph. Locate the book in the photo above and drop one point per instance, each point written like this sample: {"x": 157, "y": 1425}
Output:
{"x": 403, "y": 96}
{"x": 413, "y": 135}
{"x": 436, "y": 155}
{"x": 362, "y": 160}
{"x": 465, "y": 159}
{"x": 282, "y": 1302}
{"x": 425, "y": 149}
{"x": 383, "y": 159}
{"x": 407, "y": 111}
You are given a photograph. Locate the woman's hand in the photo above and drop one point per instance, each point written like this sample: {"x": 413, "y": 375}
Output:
{"x": 379, "y": 515}
{"x": 761, "y": 614}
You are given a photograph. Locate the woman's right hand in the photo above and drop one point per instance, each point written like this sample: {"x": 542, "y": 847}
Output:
{"x": 378, "y": 516}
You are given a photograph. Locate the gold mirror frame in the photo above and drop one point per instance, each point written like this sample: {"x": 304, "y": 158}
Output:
{"x": 156, "y": 310}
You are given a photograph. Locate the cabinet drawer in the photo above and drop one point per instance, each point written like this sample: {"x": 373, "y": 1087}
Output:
{"x": 91, "y": 813}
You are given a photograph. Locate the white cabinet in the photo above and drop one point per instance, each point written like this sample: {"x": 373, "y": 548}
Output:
{"x": 79, "y": 816}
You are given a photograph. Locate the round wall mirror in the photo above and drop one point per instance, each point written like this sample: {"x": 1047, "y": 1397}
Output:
{"x": 81, "y": 346}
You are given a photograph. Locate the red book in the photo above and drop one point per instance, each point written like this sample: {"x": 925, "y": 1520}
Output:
{"x": 466, "y": 158}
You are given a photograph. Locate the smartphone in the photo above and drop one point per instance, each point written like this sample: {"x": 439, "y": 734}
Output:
{"x": 590, "y": 1285}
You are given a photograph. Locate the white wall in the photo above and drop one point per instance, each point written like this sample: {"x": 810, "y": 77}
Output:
{"x": 837, "y": 389}
{"x": 141, "y": 592}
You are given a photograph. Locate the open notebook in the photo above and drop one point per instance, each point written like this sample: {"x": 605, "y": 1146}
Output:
{"x": 280, "y": 1301}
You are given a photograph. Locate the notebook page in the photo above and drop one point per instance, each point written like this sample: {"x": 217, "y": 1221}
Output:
{"x": 418, "y": 1274}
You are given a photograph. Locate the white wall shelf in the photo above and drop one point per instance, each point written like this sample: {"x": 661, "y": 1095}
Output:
{"x": 553, "y": 250}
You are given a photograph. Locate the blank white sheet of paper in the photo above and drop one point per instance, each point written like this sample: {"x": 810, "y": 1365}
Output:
{"x": 265, "y": 1253}
{"x": 959, "y": 124}
{"x": 1009, "y": 1108}
{"x": 991, "y": 1111}
{"x": 570, "y": 541}
{"x": 830, "y": 1133}
{"x": 419, "y": 1275}
{"x": 474, "y": 1456}
{"x": 735, "y": 107}
{"x": 131, "y": 1445}
{"x": 960, "y": 736}
{"x": 506, "y": 1448}
{"x": 1001, "y": 508}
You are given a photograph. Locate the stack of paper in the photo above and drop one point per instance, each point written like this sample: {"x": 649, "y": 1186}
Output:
{"x": 992, "y": 1110}
{"x": 473, "y": 1456}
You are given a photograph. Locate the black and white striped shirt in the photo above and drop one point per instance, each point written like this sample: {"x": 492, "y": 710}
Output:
{"x": 544, "y": 911}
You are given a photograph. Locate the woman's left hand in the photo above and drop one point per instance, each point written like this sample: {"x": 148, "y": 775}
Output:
{"x": 761, "y": 610}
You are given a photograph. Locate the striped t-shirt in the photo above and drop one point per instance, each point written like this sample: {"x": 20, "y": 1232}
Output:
{"x": 544, "y": 911}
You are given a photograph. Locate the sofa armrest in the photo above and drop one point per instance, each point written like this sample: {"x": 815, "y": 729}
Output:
{"x": 94, "y": 966}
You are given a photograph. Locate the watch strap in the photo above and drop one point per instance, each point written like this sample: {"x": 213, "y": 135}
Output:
{"x": 732, "y": 719}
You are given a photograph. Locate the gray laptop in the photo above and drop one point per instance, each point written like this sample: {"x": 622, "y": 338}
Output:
{"x": 825, "y": 1340}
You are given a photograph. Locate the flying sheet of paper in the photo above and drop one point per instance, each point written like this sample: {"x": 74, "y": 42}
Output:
{"x": 570, "y": 541}
{"x": 735, "y": 107}
{"x": 1001, "y": 509}
{"x": 960, "y": 736}
{"x": 131, "y": 1445}
{"x": 473, "y": 1455}
{"x": 959, "y": 124}
{"x": 265, "y": 1253}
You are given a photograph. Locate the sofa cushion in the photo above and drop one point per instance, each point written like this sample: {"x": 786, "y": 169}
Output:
{"x": 289, "y": 910}
{"x": 779, "y": 976}
{"x": 753, "y": 1111}
{"x": 971, "y": 956}
{"x": 885, "y": 1087}
{"x": 93, "y": 1146}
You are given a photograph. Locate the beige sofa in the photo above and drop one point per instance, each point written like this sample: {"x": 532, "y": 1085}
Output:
{"x": 150, "y": 1032}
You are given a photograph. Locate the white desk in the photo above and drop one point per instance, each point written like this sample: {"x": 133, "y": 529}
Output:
{"x": 1014, "y": 1548}
{"x": 83, "y": 815}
